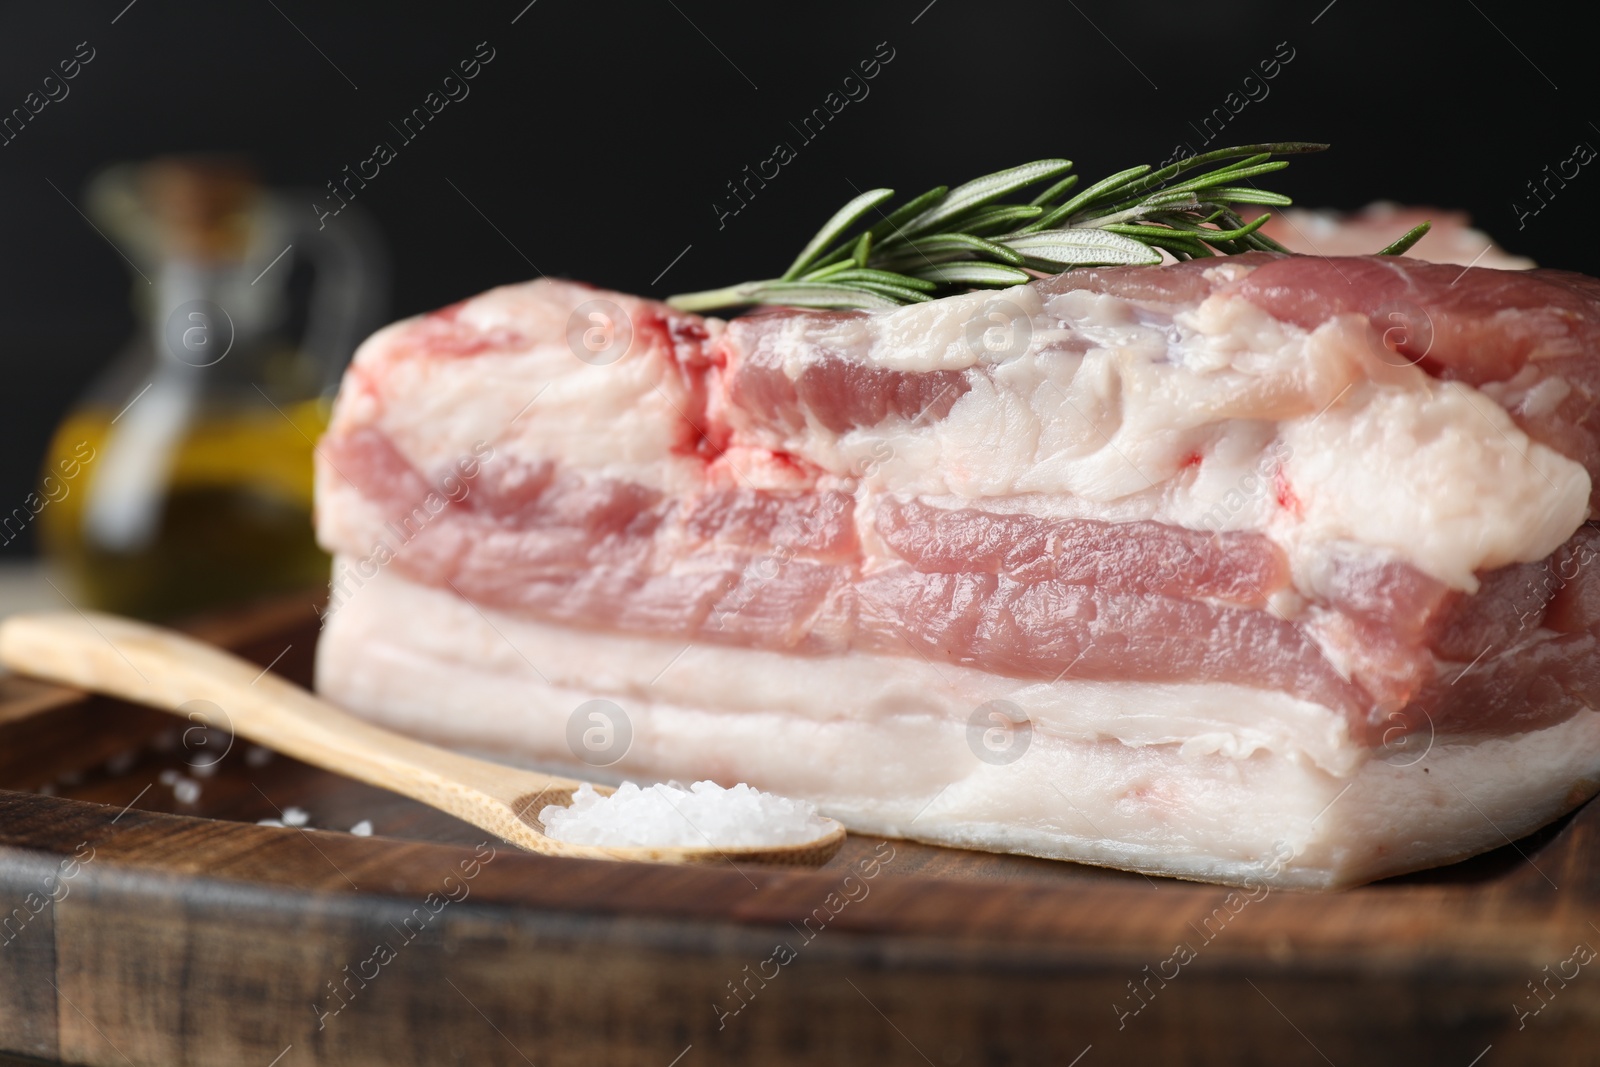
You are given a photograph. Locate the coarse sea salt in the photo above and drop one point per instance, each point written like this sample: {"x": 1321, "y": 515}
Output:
{"x": 670, "y": 816}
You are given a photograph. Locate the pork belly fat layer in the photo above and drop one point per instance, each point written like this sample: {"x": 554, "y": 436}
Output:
{"x": 1209, "y": 782}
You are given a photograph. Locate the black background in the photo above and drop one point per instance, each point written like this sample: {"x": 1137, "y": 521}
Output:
{"x": 600, "y": 136}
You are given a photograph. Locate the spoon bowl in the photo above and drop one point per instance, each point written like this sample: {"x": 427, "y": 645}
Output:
{"x": 166, "y": 670}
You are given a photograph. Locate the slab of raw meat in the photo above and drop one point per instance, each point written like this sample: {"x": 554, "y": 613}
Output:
{"x": 1270, "y": 568}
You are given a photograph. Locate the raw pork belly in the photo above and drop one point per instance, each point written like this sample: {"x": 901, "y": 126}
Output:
{"x": 1267, "y": 568}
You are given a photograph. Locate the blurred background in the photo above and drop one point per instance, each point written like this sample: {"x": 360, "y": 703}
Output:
{"x": 598, "y": 141}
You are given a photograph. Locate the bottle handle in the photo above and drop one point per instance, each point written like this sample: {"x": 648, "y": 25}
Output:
{"x": 350, "y": 279}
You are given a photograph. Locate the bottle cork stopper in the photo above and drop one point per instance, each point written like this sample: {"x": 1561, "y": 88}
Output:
{"x": 201, "y": 204}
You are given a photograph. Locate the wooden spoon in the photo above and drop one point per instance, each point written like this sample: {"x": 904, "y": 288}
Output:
{"x": 150, "y": 665}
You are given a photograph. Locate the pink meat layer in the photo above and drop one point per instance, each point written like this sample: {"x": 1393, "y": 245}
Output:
{"x": 784, "y": 571}
{"x": 1014, "y": 595}
{"x": 1018, "y": 595}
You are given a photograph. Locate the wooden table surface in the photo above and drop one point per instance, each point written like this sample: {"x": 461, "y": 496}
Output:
{"x": 145, "y": 918}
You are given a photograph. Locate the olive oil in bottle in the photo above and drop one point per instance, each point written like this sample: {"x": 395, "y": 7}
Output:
{"x": 192, "y": 455}
{"x": 231, "y": 522}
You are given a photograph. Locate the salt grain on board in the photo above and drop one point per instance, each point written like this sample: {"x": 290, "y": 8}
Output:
{"x": 295, "y": 817}
{"x": 186, "y": 790}
{"x": 669, "y": 816}
{"x": 362, "y": 828}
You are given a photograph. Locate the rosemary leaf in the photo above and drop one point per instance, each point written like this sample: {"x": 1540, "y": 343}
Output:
{"x": 899, "y": 293}
{"x": 822, "y": 274}
{"x": 964, "y": 242}
{"x": 887, "y": 230}
{"x": 1159, "y": 237}
{"x": 1409, "y": 238}
{"x": 1244, "y": 194}
{"x": 842, "y": 220}
{"x": 903, "y": 262}
{"x": 1078, "y": 247}
{"x": 883, "y": 277}
{"x": 1094, "y": 192}
{"x": 984, "y": 274}
{"x": 998, "y": 219}
{"x": 1260, "y": 242}
{"x": 808, "y": 294}
{"x": 863, "y": 249}
{"x": 985, "y": 190}
{"x": 1211, "y": 236}
{"x": 1181, "y": 199}
{"x": 1056, "y": 190}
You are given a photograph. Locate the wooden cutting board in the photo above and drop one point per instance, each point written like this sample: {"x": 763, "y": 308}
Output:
{"x": 143, "y": 924}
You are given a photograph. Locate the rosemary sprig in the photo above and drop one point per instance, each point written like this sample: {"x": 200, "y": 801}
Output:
{"x": 977, "y": 236}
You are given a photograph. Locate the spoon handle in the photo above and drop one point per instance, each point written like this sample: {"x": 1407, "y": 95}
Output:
{"x": 150, "y": 665}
